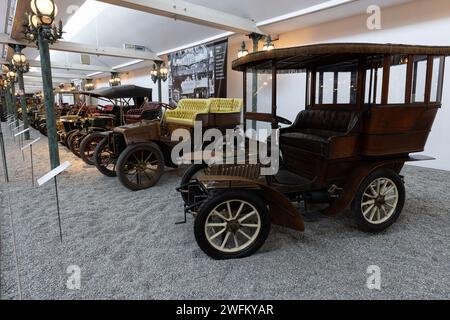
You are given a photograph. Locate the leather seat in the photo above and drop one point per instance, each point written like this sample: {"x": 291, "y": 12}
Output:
{"x": 149, "y": 111}
{"x": 313, "y": 130}
{"x": 189, "y": 110}
{"x": 305, "y": 141}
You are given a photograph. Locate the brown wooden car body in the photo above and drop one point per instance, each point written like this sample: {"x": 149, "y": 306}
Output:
{"x": 336, "y": 145}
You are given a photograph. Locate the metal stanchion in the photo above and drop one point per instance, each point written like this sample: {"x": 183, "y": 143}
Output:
{"x": 21, "y": 136}
{"x": 5, "y": 165}
{"x": 30, "y": 145}
{"x": 52, "y": 175}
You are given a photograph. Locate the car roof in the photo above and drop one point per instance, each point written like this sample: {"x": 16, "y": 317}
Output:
{"x": 120, "y": 92}
{"x": 302, "y": 57}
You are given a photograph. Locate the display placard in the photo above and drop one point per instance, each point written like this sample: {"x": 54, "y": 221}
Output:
{"x": 30, "y": 144}
{"x": 21, "y": 132}
{"x": 50, "y": 175}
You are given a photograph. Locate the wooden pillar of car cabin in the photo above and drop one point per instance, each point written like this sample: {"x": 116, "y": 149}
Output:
{"x": 429, "y": 78}
{"x": 244, "y": 98}
{"x": 274, "y": 96}
{"x": 386, "y": 76}
{"x": 409, "y": 79}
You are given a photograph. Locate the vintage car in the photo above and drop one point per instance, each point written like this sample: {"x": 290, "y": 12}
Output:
{"x": 368, "y": 107}
{"x": 137, "y": 153}
{"x": 118, "y": 101}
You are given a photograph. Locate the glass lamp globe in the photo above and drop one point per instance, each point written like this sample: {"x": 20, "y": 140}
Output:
{"x": 11, "y": 75}
{"x": 44, "y": 10}
{"x": 164, "y": 70}
{"x": 19, "y": 59}
{"x": 33, "y": 21}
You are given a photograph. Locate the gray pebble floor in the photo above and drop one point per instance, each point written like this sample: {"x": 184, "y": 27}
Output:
{"x": 128, "y": 246}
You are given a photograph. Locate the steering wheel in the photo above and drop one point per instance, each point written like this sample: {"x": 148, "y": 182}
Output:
{"x": 283, "y": 120}
{"x": 167, "y": 106}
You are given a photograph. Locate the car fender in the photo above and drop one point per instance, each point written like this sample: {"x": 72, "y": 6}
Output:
{"x": 282, "y": 211}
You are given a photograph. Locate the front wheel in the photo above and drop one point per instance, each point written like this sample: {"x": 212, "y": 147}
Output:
{"x": 105, "y": 160}
{"x": 140, "y": 166}
{"x": 232, "y": 224}
{"x": 87, "y": 147}
{"x": 379, "y": 200}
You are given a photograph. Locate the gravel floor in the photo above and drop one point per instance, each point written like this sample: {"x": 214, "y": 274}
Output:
{"x": 128, "y": 246}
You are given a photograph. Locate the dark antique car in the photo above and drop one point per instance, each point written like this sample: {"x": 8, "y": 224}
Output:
{"x": 138, "y": 152}
{"x": 368, "y": 108}
{"x": 119, "y": 101}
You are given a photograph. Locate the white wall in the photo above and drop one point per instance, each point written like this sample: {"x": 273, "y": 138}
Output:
{"x": 139, "y": 78}
{"x": 425, "y": 22}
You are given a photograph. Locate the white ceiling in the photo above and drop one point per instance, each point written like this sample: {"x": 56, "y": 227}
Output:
{"x": 97, "y": 23}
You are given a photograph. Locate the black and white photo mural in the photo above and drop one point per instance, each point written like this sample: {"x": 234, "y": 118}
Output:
{"x": 199, "y": 72}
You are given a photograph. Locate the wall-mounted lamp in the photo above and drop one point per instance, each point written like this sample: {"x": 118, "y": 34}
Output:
{"x": 89, "y": 86}
{"x": 115, "y": 79}
{"x": 268, "y": 46}
{"x": 243, "y": 51}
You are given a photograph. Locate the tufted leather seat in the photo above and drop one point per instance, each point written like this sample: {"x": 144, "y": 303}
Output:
{"x": 313, "y": 130}
{"x": 221, "y": 105}
{"x": 189, "y": 109}
{"x": 149, "y": 111}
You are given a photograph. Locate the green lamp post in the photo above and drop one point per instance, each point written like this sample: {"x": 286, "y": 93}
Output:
{"x": 19, "y": 61}
{"x": 12, "y": 77}
{"x": 40, "y": 28}
{"x": 3, "y": 111}
{"x": 159, "y": 73}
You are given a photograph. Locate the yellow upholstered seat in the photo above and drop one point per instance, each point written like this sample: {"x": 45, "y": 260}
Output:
{"x": 187, "y": 111}
{"x": 221, "y": 105}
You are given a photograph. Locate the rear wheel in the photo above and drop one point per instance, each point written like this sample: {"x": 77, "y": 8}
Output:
{"x": 104, "y": 160}
{"x": 379, "y": 200}
{"x": 140, "y": 166}
{"x": 88, "y": 145}
{"x": 192, "y": 172}
{"x": 67, "y": 137}
{"x": 75, "y": 141}
{"x": 232, "y": 224}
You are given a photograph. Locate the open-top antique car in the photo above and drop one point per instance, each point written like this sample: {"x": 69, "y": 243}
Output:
{"x": 138, "y": 152}
{"x": 367, "y": 108}
{"x": 83, "y": 139}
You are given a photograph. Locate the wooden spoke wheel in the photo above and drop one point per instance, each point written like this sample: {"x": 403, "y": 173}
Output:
{"x": 75, "y": 142}
{"x": 379, "y": 200}
{"x": 232, "y": 224}
{"x": 140, "y": 166}
{"x": 88, "y": 145}
{"x": 104, "y": 159}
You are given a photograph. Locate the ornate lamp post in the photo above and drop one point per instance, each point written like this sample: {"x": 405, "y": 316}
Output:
{"x": 159, "y": 73}
{"x": 2, "y": 100}
{"x": 6, "y": 94}
{"x": 40, "y": 28}
{"x": 115, "y": 79}
{"x": 19, "y": 61}
{"x": 12, "y": 77}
